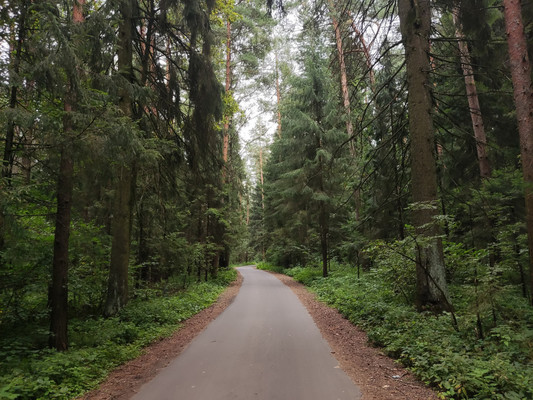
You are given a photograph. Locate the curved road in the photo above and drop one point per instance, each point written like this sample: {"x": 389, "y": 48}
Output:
{"x": 264, "y": 346}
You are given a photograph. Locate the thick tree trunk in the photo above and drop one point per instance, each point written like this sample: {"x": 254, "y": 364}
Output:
{"x": 473, "y": 100}
{"x": 523, "y": 96}
{"x": 58, "y": 293}
{"x": 117, "y": 291}
{"x": 415, "y": 22}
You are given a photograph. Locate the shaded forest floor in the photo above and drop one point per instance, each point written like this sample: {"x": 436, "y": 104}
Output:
{"x": 378, "y": 376}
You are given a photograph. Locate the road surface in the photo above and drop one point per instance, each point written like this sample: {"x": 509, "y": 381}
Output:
{"x": 264, "y": 346}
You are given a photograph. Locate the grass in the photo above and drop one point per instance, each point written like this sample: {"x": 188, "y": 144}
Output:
{"x": 99, "y": 345}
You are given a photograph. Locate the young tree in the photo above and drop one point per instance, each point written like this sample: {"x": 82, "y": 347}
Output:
{"x": 415, "y": 26}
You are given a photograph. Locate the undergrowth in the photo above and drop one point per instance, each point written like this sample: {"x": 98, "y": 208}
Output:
{"x": 457, "y": 361}
{"x": 98, "y": 345}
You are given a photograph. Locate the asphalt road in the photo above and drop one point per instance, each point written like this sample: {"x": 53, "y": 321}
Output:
{"x": 264, "y": 346}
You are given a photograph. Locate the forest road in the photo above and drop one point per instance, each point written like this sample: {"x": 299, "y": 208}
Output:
{"x": 264, "y": 346}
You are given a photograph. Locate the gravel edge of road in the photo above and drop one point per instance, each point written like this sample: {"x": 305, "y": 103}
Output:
{"x": 377, "y": 376}
{"x": 126, "y": 380}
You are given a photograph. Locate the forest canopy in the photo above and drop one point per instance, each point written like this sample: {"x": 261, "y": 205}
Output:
{"x": 148, "y": 145}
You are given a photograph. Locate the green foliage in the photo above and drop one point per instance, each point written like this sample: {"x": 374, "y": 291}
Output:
{"x": 457, "y": 363}
{"x": 265, "y": 266}
{"x": 99, "y": 345}
{"x": 304, "y": 275}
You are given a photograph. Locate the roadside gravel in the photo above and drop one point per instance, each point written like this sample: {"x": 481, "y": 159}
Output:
{"x": 378, "y": 376}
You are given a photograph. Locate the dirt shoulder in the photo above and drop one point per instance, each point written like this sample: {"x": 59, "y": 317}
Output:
{"x": 125, "y": 381}
{"x": 378, "y": 376}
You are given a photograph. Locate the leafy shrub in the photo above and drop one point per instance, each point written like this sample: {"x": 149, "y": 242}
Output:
{"x": 269, "y": 267}
{"x": 457, "y": 363}
{"x": 99, "y": 345}
{"x": 304, "y": 275}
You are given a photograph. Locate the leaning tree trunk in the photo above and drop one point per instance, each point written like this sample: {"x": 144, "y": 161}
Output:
{"x": 473, "y": 100}
{"x": 415, "y": 23}
{"x": 117, "y": 291}
{"x": 523, "y": 97}
{"x": 345, "y": 99}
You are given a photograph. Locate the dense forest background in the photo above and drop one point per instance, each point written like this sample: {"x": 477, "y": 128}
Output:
{"x": 147, "y": 145}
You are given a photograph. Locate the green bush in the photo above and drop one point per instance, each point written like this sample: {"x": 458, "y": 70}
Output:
{"x": 304, "y": 275}
{"x": 457, "y": 363}
{"x": 269, "y": 267}
{"x": 99, "y": 345}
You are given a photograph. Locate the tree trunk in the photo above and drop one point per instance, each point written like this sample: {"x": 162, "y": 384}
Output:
{"x": 415, "y": 23}
{"x": 7, "y": 163}
{"x": 324, "y": 238}
{"x": 117, "y": 291}
{"x": 345, "y": 100}
{"x": 261, "y": 178}
{"x": 523, "y": 97}
{"x": 278, "y": 95}
{"x": 58, "y": 293}
{"x": 473, "y": 99}
{"x": 344, "y": 78}
{"x": 227, "y": 118}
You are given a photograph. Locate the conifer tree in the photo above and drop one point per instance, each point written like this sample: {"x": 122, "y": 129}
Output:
{"x": 117, "y": 291}
{"x": 58, "y": 295}
{"x": 303, "y": 171}
{"x": 523, "y": 95}
{"x": 415, "y": 24}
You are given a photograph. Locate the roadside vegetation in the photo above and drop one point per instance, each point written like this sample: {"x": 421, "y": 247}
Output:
{"x": 30, "y": 370}
{"x": 483, "y": 350}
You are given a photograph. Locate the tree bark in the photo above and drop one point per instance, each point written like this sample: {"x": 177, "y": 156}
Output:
{"x": 473, "y": 99}
{"x": 523, "y": 97}
{"x": 278, "y": 95}
{"x": 225, "y": 146}
{"x": 7, "y": 163}
{"x": 343, "y": 77}
{"x": 117, "y": 291}
{"x": 345, "y": 99}
{"x": 415, "y": 23}
{"x": 261, "y": 177}
{"x": 58, "y": 293}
